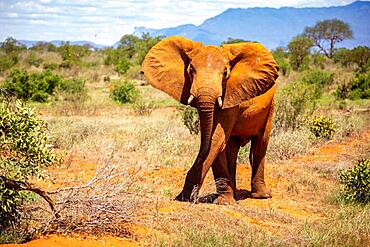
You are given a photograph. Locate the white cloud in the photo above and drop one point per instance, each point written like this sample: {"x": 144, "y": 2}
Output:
{"x": 106, "y": 21}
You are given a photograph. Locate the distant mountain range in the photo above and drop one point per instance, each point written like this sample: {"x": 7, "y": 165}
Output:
{"x": 30, "y": 43}
{"x": 270, "y": 26}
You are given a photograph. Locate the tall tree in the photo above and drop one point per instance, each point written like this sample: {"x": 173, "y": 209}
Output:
{"x": 299, "y": 48}
{"x": 325, "y": 34}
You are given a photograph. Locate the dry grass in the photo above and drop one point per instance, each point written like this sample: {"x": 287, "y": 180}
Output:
{"x": 301, "y": 172}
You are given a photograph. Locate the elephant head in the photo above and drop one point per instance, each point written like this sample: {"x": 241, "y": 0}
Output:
{"x": 209, "y": 77}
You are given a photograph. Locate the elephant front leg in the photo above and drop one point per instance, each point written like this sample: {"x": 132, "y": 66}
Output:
{"x": 196, "y": 174}
{"x": 223, "y": 123}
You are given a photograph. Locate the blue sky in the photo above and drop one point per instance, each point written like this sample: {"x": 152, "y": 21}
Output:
{"x": 104, "y": 22}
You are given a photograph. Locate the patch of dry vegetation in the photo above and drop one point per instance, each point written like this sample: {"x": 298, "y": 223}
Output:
{"x": 152, "y": 152}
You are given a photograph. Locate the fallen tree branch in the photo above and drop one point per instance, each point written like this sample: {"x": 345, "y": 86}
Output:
{"x": 19, "y": 186}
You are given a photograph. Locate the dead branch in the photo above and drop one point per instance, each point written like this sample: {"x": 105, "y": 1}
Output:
{"x": 19, "y": 186}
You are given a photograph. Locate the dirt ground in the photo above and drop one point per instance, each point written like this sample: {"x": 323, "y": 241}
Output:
{"x": 300, "y": 188}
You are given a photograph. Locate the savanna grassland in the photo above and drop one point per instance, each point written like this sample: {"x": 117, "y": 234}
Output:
{"x": 121, "y": 160}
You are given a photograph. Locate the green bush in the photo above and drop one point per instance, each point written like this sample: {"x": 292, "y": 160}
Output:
{"x": 24, "y": 154}
{"x": 190, "y": 118}
{"x": 318, "y": 77}
{"x": 6, "y": 62}
{"x": 124, "y": 92}
{"x": 72, "y": 54}
{"x": 322, "y": 127}
{"x": 35, "y": 87}
{"x": 359, "y": 87}
{"x": 73, "y": 89}
{"x": 356, "y": 182}
{"x": 122, "y": 66}
{"x": 293, "y": 103}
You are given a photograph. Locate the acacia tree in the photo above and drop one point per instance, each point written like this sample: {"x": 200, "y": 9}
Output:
{"x": 325, "y": 34}
{"x": 299, "y": 48}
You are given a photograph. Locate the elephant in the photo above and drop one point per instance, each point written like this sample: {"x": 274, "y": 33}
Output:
{"x": 232, "y": 86}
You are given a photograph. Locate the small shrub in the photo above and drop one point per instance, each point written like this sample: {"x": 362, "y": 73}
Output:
{"x": 124, "y": 92}
{"x": 190, "y": 118}
{"x": 356, "y": 182}
{"x": 318, "y": 77}
{"x": 24, "y": 153}
{"x": 73, "y": 89}
{"x": 292, "y": 103}
{"x": 284, "y": 145}
{"x": 342, "y": 91}
{"x": 34, "y": 87}
{"x": 322, "y": 127}
{"x": 7, "y": 61}
{"x": 359, "y": 87}
{"x": 143, "y": 108}
{"x": 123, "y": 66}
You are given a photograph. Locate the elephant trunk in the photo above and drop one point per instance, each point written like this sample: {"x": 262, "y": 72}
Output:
{"x": 206, "y": 107}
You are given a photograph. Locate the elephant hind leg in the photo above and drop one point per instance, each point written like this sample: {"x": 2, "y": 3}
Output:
{"x": 257, "y": 160}
{"x": 223, "y": 181}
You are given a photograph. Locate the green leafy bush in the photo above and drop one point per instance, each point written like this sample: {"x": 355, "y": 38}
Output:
{"x": 122, "y": 66}
{"x": 293, "y": 103}
{"x": 124, "y": 92}
{"x": 35, "y": 87}
{"x": 24, "y": 154}
{"x": 190, "y": 118}
{"x": 6, "y": 62}
{"x": 73, "y": 89}
{"x": 356, "y": 182}
{"x": 72, "y": 54}
{"x": 322, "y": 127}
{"x": 318, "y": 77}
{"x": 359, "y": 87}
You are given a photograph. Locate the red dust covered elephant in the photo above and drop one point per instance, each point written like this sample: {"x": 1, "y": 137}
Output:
{"x": 232, "y": 87}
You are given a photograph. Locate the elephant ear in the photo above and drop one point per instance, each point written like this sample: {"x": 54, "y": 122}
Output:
{"x": 253, "y": 72}
{"x": 165, "y": 66}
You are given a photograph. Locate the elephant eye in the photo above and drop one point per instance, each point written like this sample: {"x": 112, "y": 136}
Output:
{"x": 191, "y": 70}
{"x": 225, "y": 73}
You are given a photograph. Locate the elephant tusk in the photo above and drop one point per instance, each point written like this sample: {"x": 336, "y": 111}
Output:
{"x": 190, "y": 99}
{"x": 219, "y": 100}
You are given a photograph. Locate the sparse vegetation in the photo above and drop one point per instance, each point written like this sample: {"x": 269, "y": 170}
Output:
{"x": 190, "y": 118}
{"x": 356, "y": 183}
{"x": 150, "y": 144}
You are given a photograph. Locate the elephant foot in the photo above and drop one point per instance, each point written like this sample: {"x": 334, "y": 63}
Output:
{"x": 225, "y": 199}
{"x": 260, "y": 191}
{"x": 188, "y": 195}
